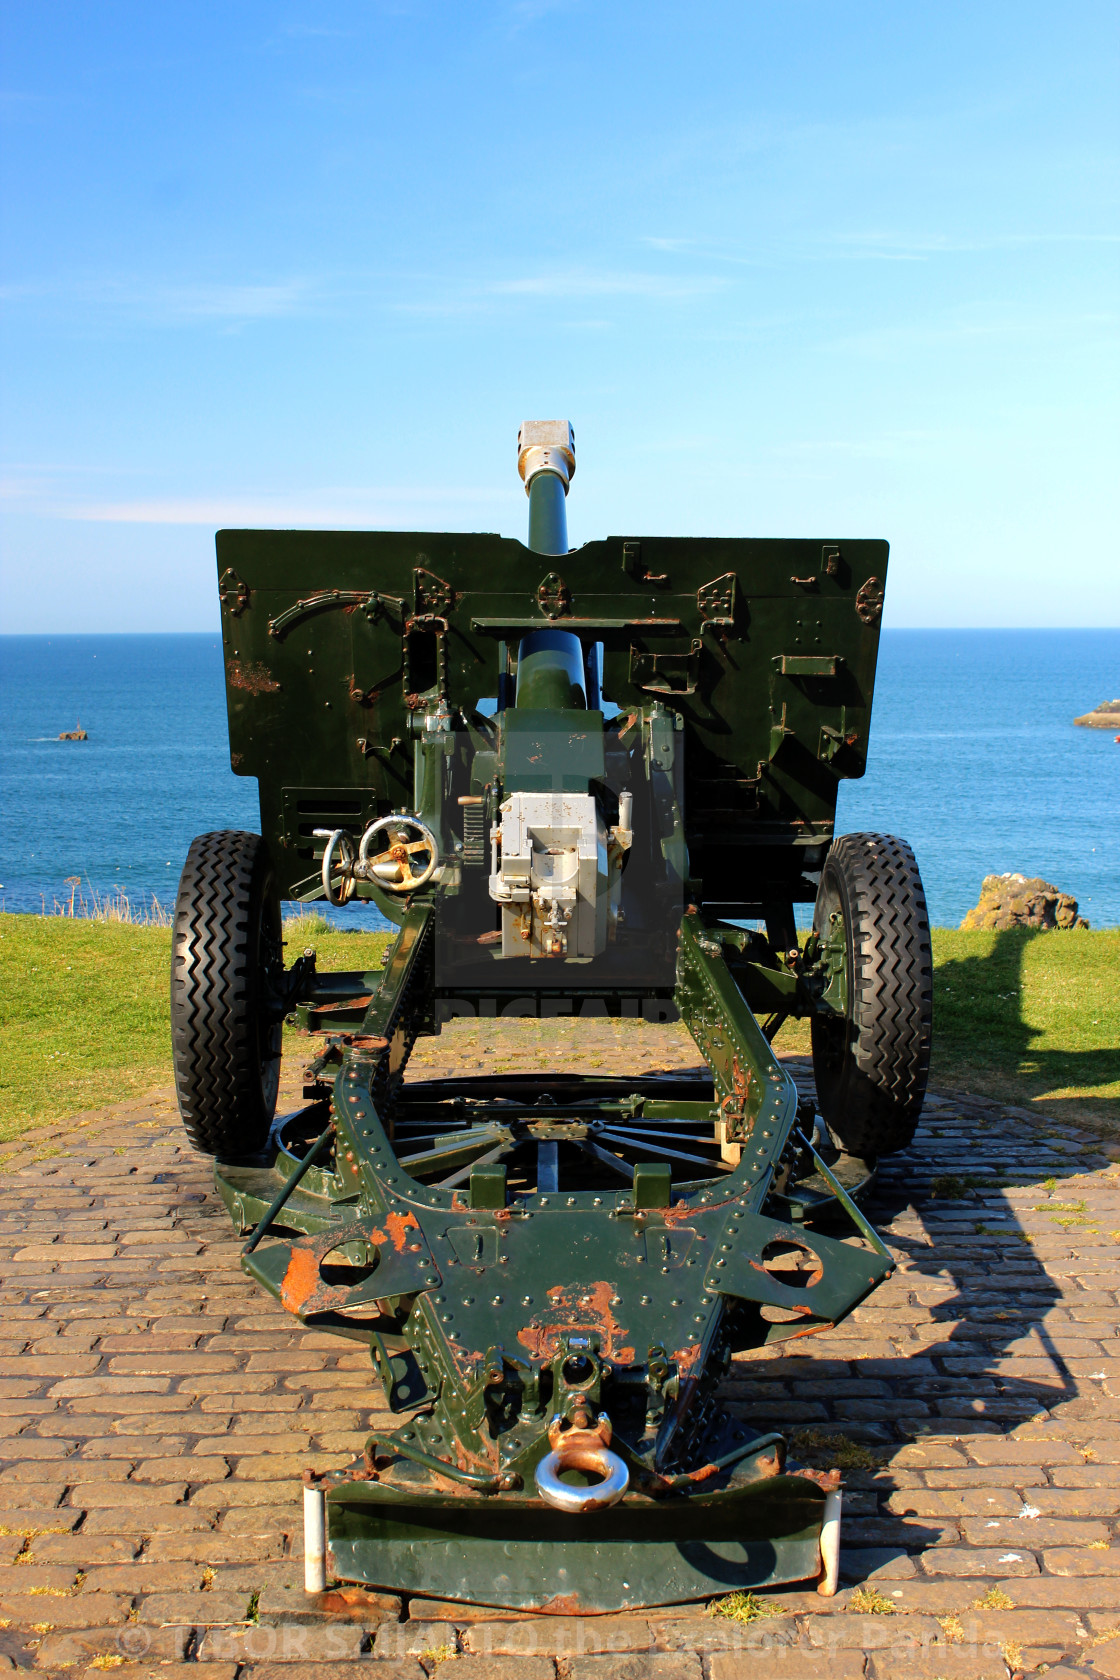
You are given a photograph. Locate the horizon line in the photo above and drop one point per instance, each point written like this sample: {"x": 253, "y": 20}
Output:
{"x": 889, "y": 629}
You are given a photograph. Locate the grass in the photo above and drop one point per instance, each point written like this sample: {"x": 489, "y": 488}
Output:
{"x": 744, "y": 1607}
{"x": 1026, "y": 1018}
{"x": 1031, "y": 1017}
{"x": 869, "y": 1601}
{"x": 994, "y": 1599}
{"x": 954, "y": 1185}
{"x": 85, "y": 1015}
{"x": 822, "y": 1449}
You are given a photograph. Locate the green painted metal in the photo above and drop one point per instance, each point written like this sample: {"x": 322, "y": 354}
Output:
{"x": 519, "y": 1251}
{"x": 647, "y": 1551}
{"x": 485, "y": 1296}
{"x": 550, "y": 673}
{"x": 329, "y": 682}
{"x": 548, "y": 514}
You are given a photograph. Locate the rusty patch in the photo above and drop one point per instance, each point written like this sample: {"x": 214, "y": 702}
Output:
{"x": 687, "y": 1358}
{"x": 827, "y": 1480}
{"x": 398, "y": 1226}
{"x": 564, "y": 1604}
{"x": 578, "y": 1309}
{"x": 300, "y": 1279}
{"x": 704, "y": 1474}
{"x": 734, "y": 1106}
{"x": 355, "y": 1603}
{"x": 236, "y": 759}
{"x": 254, "y": 679}
{"x": 343, "y": 1003}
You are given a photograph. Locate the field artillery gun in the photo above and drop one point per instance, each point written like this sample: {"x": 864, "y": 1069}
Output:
{"x": 589, "y": 782}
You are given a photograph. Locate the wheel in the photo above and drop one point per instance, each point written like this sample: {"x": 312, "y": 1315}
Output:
{"x": 392, "y": 868}
{"x": 341, "y": 891}
{"x": 225, "y": 1039}
{"x": 871, "y": 1058}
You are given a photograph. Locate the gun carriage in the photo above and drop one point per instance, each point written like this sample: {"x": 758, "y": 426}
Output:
{"x": 589, "y": 782}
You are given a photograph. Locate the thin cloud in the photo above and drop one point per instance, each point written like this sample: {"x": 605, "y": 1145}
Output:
{"x": 21, "y": 487}
{"x": 891, "y": 247}
{"x": 315, "y": 31}
{"x": 574, "y": 285}
{"x": 997, "y": 322}
{"x": 15, "y": 103}
{"x": 158, "y": 302}
{"x": 873, "y": 245}
{"x": 583, "y": 284}
{"x": 311, "y": 509}
{"x": 523, "y": 12}
{"x": 234, "y": 302}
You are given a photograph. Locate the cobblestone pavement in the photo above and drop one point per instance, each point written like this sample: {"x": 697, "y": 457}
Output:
{"x": 159, "y": 1410}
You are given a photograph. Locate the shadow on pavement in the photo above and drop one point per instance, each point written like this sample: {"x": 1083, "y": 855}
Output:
{"x": 979, "y": 1333}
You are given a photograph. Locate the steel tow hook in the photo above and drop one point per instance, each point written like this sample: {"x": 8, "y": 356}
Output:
{"x": 585, "y": 1447}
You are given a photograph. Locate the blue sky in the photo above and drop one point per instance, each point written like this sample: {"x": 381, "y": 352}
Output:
{"x": 791, "y": 269}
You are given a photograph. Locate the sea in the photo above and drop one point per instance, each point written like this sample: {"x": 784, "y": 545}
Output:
{"x": 974, "y": 758}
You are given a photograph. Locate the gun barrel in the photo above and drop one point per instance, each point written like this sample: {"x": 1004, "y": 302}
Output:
{"x": 546, "y": 460}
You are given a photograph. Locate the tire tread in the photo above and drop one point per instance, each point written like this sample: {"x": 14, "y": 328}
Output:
{"x": 875, "y": 1103}
{"x": 215, "y": 999}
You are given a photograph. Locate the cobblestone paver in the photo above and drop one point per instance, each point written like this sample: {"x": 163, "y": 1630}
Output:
{"x": 157, "y": 1410}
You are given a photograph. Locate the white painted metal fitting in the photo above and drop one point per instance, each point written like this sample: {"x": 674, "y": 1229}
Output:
{"x": 546, "y": 446}
{"x": 338, "y": 891}
{"x": 314, "y": 1539}
{"x": 830, "y": 1544}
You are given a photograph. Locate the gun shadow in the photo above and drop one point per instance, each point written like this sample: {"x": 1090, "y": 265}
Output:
{"x": 962, "y": 1341}
{"x": 980, "y": 1011}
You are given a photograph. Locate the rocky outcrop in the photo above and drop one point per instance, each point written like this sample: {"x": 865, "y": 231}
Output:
{"x": 1104, "y": 716}
{"x": 1009, "y": 901}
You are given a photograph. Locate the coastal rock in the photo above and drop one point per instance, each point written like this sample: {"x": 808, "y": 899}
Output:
{"x": 1104, "y": 716}
{"x": 1008, "y": 901}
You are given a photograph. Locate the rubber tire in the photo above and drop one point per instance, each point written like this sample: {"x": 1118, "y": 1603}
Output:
{"x": 871, "y": 1069}
{"x": 225, "y": 1044}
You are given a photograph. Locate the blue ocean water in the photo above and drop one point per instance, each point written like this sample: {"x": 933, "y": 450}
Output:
{"x": 974, "y": 759}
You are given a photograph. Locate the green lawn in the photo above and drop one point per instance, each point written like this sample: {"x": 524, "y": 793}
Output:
{"x": 1031, "y": 1017}
{"x": 1025, "y": 1016}
{"x": 84, "y": 1014}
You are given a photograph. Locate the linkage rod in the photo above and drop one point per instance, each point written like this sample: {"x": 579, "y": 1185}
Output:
{"x": 657, "y": 1148}
{"x": 317, "y": 1148}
